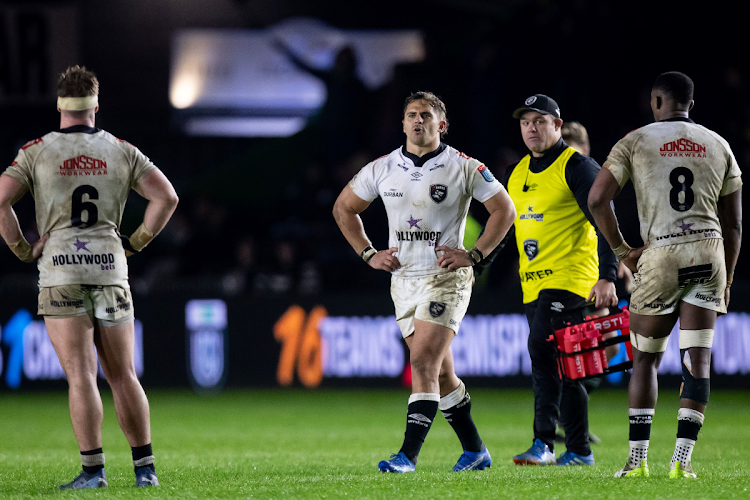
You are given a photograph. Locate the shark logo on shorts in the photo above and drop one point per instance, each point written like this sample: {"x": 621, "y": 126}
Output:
{"x": 437, "y": 309}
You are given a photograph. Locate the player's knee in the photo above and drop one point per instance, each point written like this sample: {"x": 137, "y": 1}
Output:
{"x": 694, "y": 386}
{"x": 425, "y": 365}
{"x": 648, "y": 344}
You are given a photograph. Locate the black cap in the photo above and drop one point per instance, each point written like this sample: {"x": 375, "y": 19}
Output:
{"x": 541, "y": 103}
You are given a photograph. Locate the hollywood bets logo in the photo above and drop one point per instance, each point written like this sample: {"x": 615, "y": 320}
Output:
{"x": 683, "y": 148}
{"x": 83, "y": 165}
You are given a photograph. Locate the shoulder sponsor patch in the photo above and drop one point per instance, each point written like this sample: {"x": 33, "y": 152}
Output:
{"x": 31, "y": 143}
{"x": 486, "y": 173}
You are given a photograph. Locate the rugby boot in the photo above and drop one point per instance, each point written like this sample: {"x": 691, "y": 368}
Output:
{"x": 632, "y": 469}
{"x": 473, "y": 460}
{"x": 145, "y": 476}
{"x": 85, "y": 480}
{"x": 681, "y": 470}
{"x": 538, "y": 454}
{"x": 398, "y": 463}
{"x": 570, "y": 458}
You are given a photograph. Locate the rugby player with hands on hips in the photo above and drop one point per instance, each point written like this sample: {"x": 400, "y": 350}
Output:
{"x": 426, "y": 187}
{"x": 80, "y": 177}
{"x": 689, "y": 191}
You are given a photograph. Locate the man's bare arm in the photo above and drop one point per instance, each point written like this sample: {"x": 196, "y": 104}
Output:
{"x": 162, "y": 201}
{"x": 730, "y": 217}
{"x": 602, "y": 192}
{"x": 346, "y": 211}
{"x": 10, "y": 192}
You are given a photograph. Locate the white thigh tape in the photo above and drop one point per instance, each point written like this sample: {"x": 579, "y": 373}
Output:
{"x": 424, "y": 396}
{"x": 647, "y": 344}
{"x": 453, "y": 398}
{"x": 696, "y": 338}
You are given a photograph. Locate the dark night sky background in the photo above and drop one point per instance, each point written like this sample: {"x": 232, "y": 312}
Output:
{"x": 598, "y": 59}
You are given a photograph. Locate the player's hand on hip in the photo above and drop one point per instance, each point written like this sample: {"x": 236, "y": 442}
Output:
{"x": 38, "y": 247}
{"x": 385, "y": 260}
{"x": 453, "y": 258}
{"x": 631, "y": 261}
{"x": 604, "y": 293}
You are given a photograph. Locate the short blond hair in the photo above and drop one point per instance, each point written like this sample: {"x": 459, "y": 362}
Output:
{"x": 77, "y": 81}
{"x": 575, "y": 133}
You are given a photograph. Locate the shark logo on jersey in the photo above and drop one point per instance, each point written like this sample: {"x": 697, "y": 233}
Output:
{"x": 437, "y": 309}
{"x": 531, "y": 248}
{"x": 438, "y": 192}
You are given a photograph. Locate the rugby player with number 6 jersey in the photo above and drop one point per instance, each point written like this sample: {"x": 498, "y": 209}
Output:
{"x": 689, "y": 193}
{"x": 80, "y": 177}
{"x": 426, "y": 187}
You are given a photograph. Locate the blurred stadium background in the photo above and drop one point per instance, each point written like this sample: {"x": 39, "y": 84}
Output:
{"x": 260, "y": 111}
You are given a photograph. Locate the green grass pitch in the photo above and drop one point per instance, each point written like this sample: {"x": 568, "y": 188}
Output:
{"x": 327, "y": 443}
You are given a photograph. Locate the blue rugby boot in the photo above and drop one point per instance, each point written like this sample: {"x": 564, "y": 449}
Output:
{"x": 398, "y": 463}
{"x": 538, "y": 454}
{"x": 570, "y": 458}
{"x": 85, "y": 480}
{"x": 473, "y": 460}
{"x": 144, "y": 476}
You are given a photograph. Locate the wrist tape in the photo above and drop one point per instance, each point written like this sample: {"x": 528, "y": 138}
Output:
{"x": 140, "y": 238}
{"x": 22, "y": 249}
{"x": 368, "y": 253}
{"x": 622, "y": 251}
{"x": 475, "y": 256}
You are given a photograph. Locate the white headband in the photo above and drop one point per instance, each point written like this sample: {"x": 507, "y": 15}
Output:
{"x": 77, "y": 103}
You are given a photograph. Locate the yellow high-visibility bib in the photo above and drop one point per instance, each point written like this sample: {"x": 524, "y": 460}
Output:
{"x": 556, "y": 243}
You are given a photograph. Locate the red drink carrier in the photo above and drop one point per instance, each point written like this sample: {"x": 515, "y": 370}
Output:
{"x": 579, "y": 345}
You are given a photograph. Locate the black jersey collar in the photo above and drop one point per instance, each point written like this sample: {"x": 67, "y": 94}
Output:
{"x": 82, "y": 129}
{"x": 678, "y": 119}
{"x": 537, "y": 165}
{"x": 421, "y": 160}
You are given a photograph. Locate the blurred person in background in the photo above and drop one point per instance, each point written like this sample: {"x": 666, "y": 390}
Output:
{"x": 80, "y": 177}
{"x": 426, "y": 187}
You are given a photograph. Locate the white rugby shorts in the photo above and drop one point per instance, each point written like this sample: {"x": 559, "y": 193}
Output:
{"x": 694, "y": 272}
{"x": 112, "y": 305}
{"x": 441, "y": 299}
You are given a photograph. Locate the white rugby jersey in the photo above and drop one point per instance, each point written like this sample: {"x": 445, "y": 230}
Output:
{"x": 427, "y": 205}
{"x": 80, "y": 179}
{"x": 679, "y": 170}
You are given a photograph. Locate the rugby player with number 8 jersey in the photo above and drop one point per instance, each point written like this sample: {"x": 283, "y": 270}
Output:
{"x": 689, "y": 196}
{"x": 426, "y": 187}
